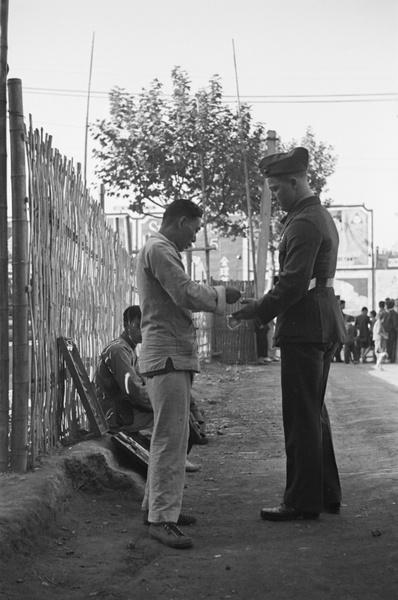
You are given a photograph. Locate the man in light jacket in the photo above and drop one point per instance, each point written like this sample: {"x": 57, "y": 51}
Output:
{"x": 169, "y": 359}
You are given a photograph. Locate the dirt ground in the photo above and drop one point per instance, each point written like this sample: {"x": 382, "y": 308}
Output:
{"x": 99, "y": 547}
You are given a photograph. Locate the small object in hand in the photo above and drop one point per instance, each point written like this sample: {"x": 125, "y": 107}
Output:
{"x": 233, "y": 322}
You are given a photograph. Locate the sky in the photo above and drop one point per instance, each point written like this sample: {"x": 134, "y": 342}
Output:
{"x": 331, "y": 65}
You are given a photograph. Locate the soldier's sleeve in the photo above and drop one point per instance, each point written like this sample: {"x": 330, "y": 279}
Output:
{"x": 301, "y": 247}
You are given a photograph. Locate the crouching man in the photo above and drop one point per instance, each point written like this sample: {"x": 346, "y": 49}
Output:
{"x": 118, "y": 384}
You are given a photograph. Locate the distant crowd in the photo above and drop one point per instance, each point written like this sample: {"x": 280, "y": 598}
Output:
{"x": 371, "y": 336}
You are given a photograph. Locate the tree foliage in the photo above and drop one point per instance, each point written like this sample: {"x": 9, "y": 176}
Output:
{"x": 152, "y": 150}
{"x": 322, "y": 162}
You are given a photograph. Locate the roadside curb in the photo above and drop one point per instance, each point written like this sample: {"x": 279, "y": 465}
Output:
{"x": 30, "y": 502}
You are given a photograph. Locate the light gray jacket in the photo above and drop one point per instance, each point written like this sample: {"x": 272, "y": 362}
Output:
{"x": 168, "y": 297}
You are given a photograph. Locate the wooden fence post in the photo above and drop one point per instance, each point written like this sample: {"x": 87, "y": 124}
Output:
{"x": 20, "y": 274}
{"x": 4, "y": 349}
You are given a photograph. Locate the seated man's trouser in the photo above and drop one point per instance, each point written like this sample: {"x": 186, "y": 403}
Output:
{"x": 121, "y": 414}
{"x": 170, "y": 398}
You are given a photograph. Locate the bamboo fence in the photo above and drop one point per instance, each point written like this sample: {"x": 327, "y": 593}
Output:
{"x": 81, "y": 282}
{"x": 237, "y": 346}
{"x": 81, "y": 279}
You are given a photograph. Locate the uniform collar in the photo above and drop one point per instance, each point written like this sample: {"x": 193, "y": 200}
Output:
{"x": 303, "y": 203}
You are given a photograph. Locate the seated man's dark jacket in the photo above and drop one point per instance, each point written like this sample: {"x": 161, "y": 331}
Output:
{"x": 118, "y": 383}
{"x": 308, "y": 249}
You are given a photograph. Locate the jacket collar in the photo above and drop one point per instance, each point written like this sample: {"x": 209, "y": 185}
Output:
{"x": 127, "y": 339}
{"x": 160, "y": 236}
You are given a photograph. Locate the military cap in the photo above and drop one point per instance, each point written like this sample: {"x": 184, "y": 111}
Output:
{"x": 284, "y": 163}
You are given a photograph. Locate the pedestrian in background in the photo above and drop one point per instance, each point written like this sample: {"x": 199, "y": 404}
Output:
{"x": 391, "y": 328}
{"x": 309, "y": 328}
{"x": 337, "y": 354}
{"x": 371, "y": 349}
{"x": 380, "y": 339}
{"x": 362, "y": 323}
{"x": 261, "y": 330}
{"x": 350, "y": 347}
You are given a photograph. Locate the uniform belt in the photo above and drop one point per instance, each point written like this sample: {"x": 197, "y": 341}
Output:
{"x": 321, "y": 282}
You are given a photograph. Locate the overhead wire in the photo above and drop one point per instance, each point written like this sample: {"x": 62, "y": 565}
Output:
{"x": 249, "y": 98}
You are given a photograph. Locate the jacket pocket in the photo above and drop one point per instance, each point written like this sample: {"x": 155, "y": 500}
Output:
{"x": 186, "y": 343}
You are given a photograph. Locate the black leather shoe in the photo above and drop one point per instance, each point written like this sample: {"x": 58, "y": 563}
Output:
{"x": 333, "y": 508}
{"x": 283, "y": 513}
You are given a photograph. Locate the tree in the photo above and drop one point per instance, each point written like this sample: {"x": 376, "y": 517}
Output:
{"x": 152, "y": 151}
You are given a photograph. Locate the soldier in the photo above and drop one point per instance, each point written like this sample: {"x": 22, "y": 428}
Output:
{"x": 309, "y": 328}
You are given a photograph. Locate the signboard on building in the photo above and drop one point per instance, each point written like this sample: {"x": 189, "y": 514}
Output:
{"x": 354, "y": 224}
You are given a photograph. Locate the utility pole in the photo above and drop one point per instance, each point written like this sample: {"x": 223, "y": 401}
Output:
{"x": 265, "y": 218}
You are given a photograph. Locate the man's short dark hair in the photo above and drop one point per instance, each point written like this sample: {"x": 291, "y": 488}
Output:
{"x": 131, "y": 313}
{"x": 364, "y": 308}
{"x": 286, "y": 177}
{"x": 382, "y": 304}
{"x": 182, "y": 208}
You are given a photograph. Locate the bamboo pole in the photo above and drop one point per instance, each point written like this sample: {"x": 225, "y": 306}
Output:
{"x": 246, "y": 173}
{"x": 102, "y": 196}
{"x": 209, "y": 316}
{"x": 88, "y": 110}
{"x": 20, "y": 273}
{"x": 4, "y": 305}
{"x": 205, "y": 232}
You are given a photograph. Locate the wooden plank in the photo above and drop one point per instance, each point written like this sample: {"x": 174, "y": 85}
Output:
{"x": 83, "y": 385}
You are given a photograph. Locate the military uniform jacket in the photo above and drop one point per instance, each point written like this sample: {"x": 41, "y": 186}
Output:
{"x": 308, "y": 249}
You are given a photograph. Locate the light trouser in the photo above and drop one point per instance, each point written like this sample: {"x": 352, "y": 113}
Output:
{"x": 170, "y": 398}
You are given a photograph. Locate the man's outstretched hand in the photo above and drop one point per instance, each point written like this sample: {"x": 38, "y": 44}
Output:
{"x": 232, "y": 295}
{"x": 248, "y": 311}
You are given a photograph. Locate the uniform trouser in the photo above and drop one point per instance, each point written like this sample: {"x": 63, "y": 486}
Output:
{"x": 170, "y": 399}
{"x": 312, "y": 479}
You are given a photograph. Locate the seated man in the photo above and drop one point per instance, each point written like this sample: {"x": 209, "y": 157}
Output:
{"x": 121, "y": 390}
{"x": 119, "y": 387}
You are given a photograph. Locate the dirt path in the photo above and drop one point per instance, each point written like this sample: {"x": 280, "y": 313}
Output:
{"x": 101, "y": 549}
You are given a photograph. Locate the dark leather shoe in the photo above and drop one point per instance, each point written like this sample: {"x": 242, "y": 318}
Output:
{"x": 283, "y": 513}
{"x": 183, "y": 520}
{"x": 333, "y": 508}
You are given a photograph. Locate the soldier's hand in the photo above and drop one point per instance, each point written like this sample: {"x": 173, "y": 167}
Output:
{"x": 248, "y": 310}
{"x": 232, "y": 295}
